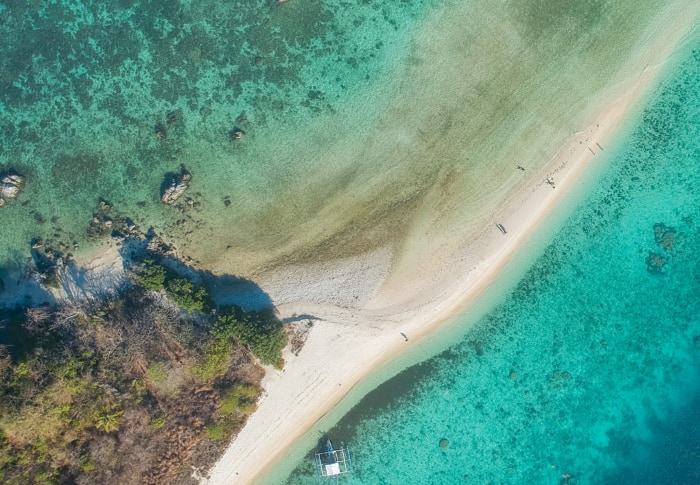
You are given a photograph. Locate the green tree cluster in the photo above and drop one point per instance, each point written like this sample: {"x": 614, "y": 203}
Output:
{"x": 187, "y": 295}
{"x": 150, "y": 275}
{"x": 215, "y": 360}
{"x": 154, "y": 276}
{"x": 260, "y": 331}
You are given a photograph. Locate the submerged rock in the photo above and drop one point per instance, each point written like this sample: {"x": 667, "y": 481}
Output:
{"x": 444, "y": 443}
{"x": 655, "y": 263}
{"x": 10, "y": 185}
{"x": 176, "y": 187}
{"x": 160, "y": 131}
{"x": 664, "y": 236}
{"x": 236, "y": 133}
{"x": 104, "y": 206}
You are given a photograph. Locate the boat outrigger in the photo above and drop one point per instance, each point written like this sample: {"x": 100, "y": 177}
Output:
{"x": 331, "y": 462}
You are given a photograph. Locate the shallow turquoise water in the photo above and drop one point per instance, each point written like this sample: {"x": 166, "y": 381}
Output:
{"x": 589, "y": 370}
{"x": 364, "y": 118}
{"x": 85, "y": 83}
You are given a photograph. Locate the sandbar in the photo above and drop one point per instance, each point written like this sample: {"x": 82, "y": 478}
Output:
{"x": 364, "y": 314}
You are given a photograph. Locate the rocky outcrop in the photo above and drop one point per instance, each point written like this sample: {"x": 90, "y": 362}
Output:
{"x": 176, "y": 187}
{"x": 10, "y": 186}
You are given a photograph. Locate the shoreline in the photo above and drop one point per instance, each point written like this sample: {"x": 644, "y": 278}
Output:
{"x": 94, "y": 276}
{"x": 346, "y": 343}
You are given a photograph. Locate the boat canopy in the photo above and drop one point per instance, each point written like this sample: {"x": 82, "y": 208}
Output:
{"x": 331, "y": 463}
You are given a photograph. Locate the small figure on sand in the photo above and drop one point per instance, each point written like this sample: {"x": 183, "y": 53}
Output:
{"x": 551, "y": 182}
{"x": 404, "y": 336}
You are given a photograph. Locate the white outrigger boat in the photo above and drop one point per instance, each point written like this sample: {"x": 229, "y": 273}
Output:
{"x": 331, "y": 462}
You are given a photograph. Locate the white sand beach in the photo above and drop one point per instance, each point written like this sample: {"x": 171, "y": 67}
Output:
{"x": 362, "y": 307}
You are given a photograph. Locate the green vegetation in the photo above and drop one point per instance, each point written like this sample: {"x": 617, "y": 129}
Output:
{"x": 216, "y": 432}
{"x": 183, "y": 291}
{"x": 239, "y": 398}
{"x": 157, "y": 372}
{"x": 107, "y": 419}
{"x": 158, "y": 422}
{"x": 86, "y": 466}
{"x": 260, "y": 331}
{"x": 215, "y": 360}
{"x": 187, "y": 295}
{"x": 150, "y": 275}
{"x": 84, "y": 390}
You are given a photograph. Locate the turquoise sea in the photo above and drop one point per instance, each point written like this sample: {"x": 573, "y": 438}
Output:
{"x": 369, "y": 123}
{"x": 588, "y": 369}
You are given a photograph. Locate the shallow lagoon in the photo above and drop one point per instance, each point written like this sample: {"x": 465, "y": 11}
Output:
{"x": 588, "y": 371}
{"x": 367, "y": 123}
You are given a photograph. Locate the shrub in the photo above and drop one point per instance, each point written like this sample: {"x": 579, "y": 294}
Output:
{"x": 186, "y": 295}
{"x": 86, "y": 466}
{"x": 158, "y": 422}
{"x": 260, "y": 331}
{"x": 216, "y": 432}
{"x": 240, "y": 398}
{"x": 48, "y": 477}
{"x": 215, "y": 360}
{"x": 157, "y": 372}
{"x": 139, "y": 388}
{"x": 150, "y": 275}
{"x": 247, "y": 408}
{"x": 107, "y": 419}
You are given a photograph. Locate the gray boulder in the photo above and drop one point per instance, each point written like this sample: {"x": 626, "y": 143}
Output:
{"x": 178, "y": 185}
{"x": 10, "y": 185}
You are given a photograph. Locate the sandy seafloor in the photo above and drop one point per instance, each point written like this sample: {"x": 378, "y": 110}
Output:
{"x": 368, "y": 124}
{"x": 382, "y": 138}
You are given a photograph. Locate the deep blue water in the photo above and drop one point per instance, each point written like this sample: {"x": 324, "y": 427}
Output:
{"x": 589, "y": 371}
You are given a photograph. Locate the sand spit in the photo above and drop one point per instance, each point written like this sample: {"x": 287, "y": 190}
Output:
{"x": 347, "y": 343}
{"x": 350, "y": 340}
